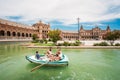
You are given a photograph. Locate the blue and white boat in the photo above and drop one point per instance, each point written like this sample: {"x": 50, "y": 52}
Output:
{"x": 44, "y": 60}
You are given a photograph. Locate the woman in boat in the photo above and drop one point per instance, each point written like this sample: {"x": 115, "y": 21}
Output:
{"x": 58, "y": 55}
{"x": 37, "y": 55}
{"x": 49, "y": 54}
{"x": 50, "y": 51}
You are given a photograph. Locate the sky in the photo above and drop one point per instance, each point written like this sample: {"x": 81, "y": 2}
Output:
{"x": 63, "y": 14}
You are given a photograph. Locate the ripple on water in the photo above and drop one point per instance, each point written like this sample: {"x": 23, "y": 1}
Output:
{"x": 5, "y": 60}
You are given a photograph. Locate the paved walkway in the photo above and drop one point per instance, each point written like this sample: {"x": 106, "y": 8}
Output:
{"x": 91, "y": 42}
{"x": 12, "y": 40}
{"x": 76, "y": 47}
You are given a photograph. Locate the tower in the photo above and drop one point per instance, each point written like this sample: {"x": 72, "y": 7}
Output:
{"x": 108, "y": 28}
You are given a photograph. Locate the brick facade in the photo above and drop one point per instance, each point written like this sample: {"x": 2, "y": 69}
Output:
{"x": 13, "y": 30}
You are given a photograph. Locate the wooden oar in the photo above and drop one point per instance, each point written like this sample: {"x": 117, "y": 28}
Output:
{"x": 38, "y": 67}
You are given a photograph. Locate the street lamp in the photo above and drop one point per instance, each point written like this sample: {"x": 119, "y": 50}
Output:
{"x": 78, "y": 26}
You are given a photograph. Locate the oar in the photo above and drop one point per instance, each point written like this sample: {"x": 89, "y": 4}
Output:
{"x": 38, "y": 67}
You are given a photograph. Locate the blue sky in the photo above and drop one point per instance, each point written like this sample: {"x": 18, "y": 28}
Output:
{"x": 63, "y": 14}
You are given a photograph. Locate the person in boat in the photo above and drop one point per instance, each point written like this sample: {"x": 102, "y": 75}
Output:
{"x": 50, "y": 51}
{"x": 58, "y": 55}
{"x": 37, "y": 55}
{"x": 49, "y": 54}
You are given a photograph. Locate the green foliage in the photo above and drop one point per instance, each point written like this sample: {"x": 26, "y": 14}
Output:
{"x": 77, "y": 43}
{"x": 49, "y": 40}
{"x": 35, "y": 38}
{"x": 41, "y": 41}
{"x": 43, "y": 44}
{"x": 45, "y": 41}
{"x": 66, "y": 44}
{"x": 101, "y": 44}
{"x": 112, "y": 36}
{"x": 96, "y": 44}
{"x": 54, "y": 35}
{"x": 117, "y": 44}
{"x": 35, "y": 41}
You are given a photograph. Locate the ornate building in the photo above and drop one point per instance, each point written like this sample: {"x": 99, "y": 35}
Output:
{"x": 67, "y": 35}
{"x": 94, "y": 34}
{"x": 43, "y": 29}
{"x": 13, "y": 30}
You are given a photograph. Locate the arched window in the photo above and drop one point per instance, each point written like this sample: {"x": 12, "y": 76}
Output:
{"x": 8, "y": 33}
{"x": 23, "y": 35}
{"x": 18, "y": 34}
{"x": 14, "y": 34}
{"x": 2, "y": 33}
{"x": 26, "y": 34}
{"x": 30, "y": 35}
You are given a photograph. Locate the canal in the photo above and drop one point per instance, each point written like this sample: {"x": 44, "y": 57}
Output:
{"x": 84, "y": 64}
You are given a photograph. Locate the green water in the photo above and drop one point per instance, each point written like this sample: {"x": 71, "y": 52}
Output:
{"x": 84, "y": 64}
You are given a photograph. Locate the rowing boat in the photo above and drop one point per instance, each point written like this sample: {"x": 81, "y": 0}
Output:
{"x": 44, "y": 60}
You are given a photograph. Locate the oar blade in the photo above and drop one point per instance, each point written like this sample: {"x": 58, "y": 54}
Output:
{"x": 37, "y": 67}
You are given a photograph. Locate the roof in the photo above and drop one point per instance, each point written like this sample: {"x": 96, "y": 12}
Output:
{"x": 70, "y": 31}
{"x": 15, "y": 24}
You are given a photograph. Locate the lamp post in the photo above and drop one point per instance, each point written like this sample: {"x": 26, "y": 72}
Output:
{"x": 78, "y": 26}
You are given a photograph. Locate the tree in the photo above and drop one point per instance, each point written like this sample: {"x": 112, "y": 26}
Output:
{"x": 35, "y": 38}
{"x": 54, "y": 35}
{"x": 112, "y": 36}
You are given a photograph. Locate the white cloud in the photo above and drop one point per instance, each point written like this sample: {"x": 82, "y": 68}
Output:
{"x": 65, "y": 11}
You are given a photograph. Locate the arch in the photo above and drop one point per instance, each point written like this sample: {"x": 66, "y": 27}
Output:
{"x": 13, "y": 33}
{"x": 18, "y": 34}
{"x": 2, "y": 33}
{"x": 30, "y": 35}
{"x": 23, "y": 34}
{"x": 26, "y": 34}
{"x": 8, "y": 33}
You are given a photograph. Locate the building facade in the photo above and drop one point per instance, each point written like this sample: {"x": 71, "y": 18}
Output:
{"x": 94, "y": 34}
{"x": 42, "y": 29}
{"x": 68, "y": 35}
{"x": 13, "y": 30}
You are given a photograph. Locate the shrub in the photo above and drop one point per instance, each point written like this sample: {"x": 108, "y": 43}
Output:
{"x": 96, "y": 44}
{"x": 117, "y": 44}
{"x": 66, "y": 44}
{"x": 69, "y": 44}
{"x": 35, "y": 41}
{"x": 41, "y": 41}
{"x": 76, "y": 44}
{"x": 45, "y": 41}
{"x": 59, "y": 44}
{"x": 101, "y": 44}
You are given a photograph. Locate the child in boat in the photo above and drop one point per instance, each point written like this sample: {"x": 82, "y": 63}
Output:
{"x": 37, "y": 55}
